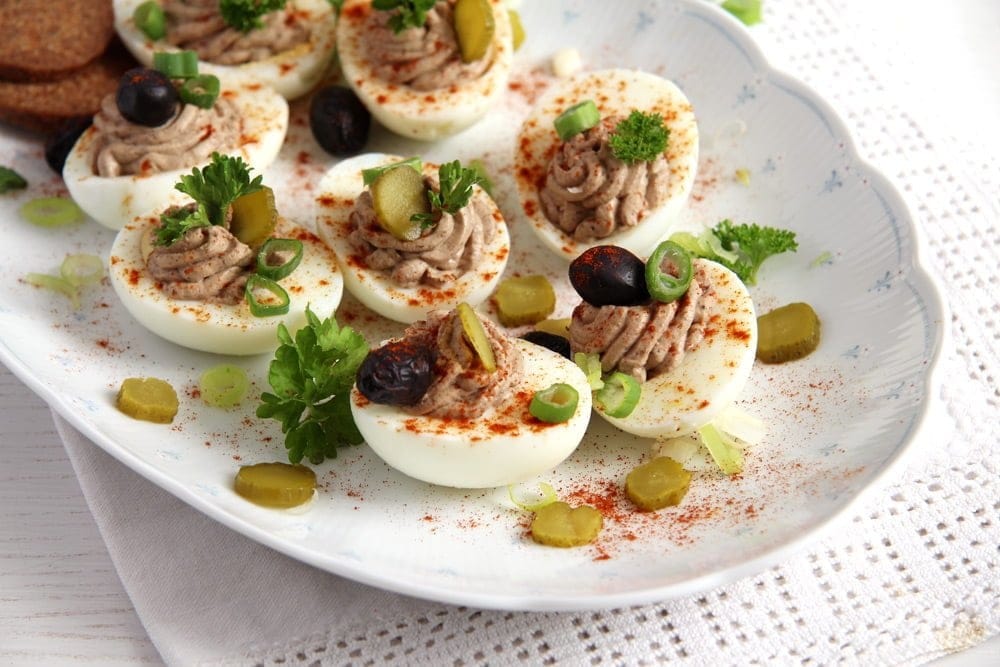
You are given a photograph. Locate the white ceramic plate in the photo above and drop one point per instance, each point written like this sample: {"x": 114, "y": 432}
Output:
{"x": 838, "y": 421}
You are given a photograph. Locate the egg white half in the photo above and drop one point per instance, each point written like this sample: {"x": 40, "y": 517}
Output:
{"x": 292, "y": 73}
{"x": 710, "y": 377}
{"x": 615, "y": 92}
{"x": 221, "y": 328}
{"x": 425, "y": 115}
{"x": 115, "y": 200}
{"x": 338, "y": 189}
{"x": 504, "y": 446}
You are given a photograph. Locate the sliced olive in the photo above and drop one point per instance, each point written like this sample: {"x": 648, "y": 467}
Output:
{"x": 476, "y": 335}
{"x": 787, "y": 333}
{"x": 279, "y": 485}
{"x": 559, "y": 525}
{"x": 398, "y": 195}
{"x": 657, "y": 484}
{"x": 149, "y": 399}
{"x": 474, "y": 27}
{"x": 255, "y": 216}
{"x": 524, "y": 300}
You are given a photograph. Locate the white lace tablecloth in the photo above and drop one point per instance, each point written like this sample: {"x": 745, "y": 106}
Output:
{"x": 912, "y": 576}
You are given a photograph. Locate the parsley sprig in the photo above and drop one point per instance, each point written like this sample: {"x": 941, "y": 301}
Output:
{"x": 456, "y": 183}
{"x": 213, "y": 188}
{"x": 311, "y": 376}
{"x": 745, "y": 246}
{"x": 244, "y": 15}
{"x": 409, "y": 13}
{"x": 639, "y": 138}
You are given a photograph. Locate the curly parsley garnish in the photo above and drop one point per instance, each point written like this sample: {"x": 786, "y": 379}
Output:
{"x": 214, "y": 188}
{"x": 312, "y": 376}
{"x": 741, "y": 248}
{"x": 409, "y": 13}
{"x": 456, "y": 191}
{"x": 639, "y": 138}
{"x": 244, "y": 15}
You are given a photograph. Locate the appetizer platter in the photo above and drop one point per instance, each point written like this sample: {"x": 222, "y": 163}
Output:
{"x": 478, "y": 413}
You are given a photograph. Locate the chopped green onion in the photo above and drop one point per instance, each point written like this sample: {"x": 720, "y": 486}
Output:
{"x": 150, "y": 19}
{"x": 80, "y": 270}
{"x": 548, "y": 496}
{"x": 286, "y": 251}
{"x": 11, "y": 180}
{"x": 278, "y": 302}
{"x": 743, "y": 176}
{"x": 578, "y": 118}
{"x": 619, "y": 395}
{"x": 201, "y": 91}
{"x": 369, "y": 175}
{"x": 823, "y": 258}
{"x": 741, "y": 425}
{"x": 663, "y": 285}
{"x": 51, "y": 212}
{"x": 748, "y": 11}
{"x": 176, "y": 64}
{"x": 484, "y": 178}
{"x": 223, "y": 386}
{"x": 590, "y": 364}
{"x": 554, "y": 404}
{"x": 56, "y": 284}
{"x": 725, "y": 452}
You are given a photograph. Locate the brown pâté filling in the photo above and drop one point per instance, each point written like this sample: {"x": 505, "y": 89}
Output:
{"x": 645, "y": 340}
{"x": 590, "y": 194}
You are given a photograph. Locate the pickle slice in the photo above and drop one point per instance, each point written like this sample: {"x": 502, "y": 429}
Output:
{"x": 558, "y": 327}
{"x": 255, "y": 216}
{"x": 397, "y": 195}
{"x": 149, "y": 399}
{"x": 524, "y": 300}
{"x": 279, "y": 485}
{"x": 787, "y": 333}
{"x": 474, "y": 27}
{"x": 476, "y": 335}
{"x": 559, "y": 525}
{"x": 657, "y": 484}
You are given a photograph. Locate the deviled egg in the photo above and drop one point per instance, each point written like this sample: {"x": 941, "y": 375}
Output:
{"x": 287, "y": 49}
{"x": 119, "y": 169}
{"x": 430, "y": 77}
{"x": 395, "y": 267}
{"x": 617, "y": 170}
{"x": 451, "y": 403}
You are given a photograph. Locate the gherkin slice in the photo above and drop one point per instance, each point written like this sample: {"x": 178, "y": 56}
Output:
{"x": 255, "y": 216}
{"x": 474, "y": 27}
{"x": 657, "y": 484}
{"x": 524, "y": 300}
{"x": 559, "y": 525}
{"x": 149, "y": 399}
{"x": 398, "y": 194}
{"x": 787, "y": 333}
{"x": 278, "y": 485}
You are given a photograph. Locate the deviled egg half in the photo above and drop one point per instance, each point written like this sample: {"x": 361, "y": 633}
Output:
{"x": 287, "y": 49}
{"x": 400, "y": 269}
{"x": 430, "y": 77}
{"x": 685, "y": 359}
{"x": 220, "y": 276}
{"x": 454, "y": 402}
{"x": 606, "y": 157}
{"x": 120, "y": 168}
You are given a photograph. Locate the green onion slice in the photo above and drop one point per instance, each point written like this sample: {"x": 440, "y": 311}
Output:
{"x": 590, "y": 364}
{"x": 223, "y": 386}
{"x": 548, "y": 496}
{"x": 81, "y": 270}
{"x": 578, "y": 118}
{"x": 56, "y": 284}
{"x": 554, "y": 404}
{"x": 664, "y": 285}
{"x": 201, "y": 91}
{"x": 277, "y": 298}
{"x": 476, "y": 335}
{"x": 11, "y": 180}
{"x": 619, "y": 395}
{"x": 725, "y": 452}
{"x": 51, "y": 212}
{"x": 368, "y": 176}
{"x": 288, "y": 252}
{"x": 176, "y": 64}
{"x": 150, "y": 19}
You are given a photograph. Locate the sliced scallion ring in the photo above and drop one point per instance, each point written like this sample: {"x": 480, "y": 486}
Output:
{"x": 276, "y": 304}
{"x": 554, "y": 404}
{"x": 578, "y": 118}
{"x": 51, "y": 212}
{"x": 663, "y": 285}
{"x": 223, "y": 386}
{"x": 286, "y": 251}
{"x": 201, "y": 91}
{"x": 176, "y": 64}
{"x": 80, "y": 270}
{"x": 150, "y": 19}
{"x": 619, "y": 395}
{"x": 590, "y": 364}
{"x": 56, "y": 284}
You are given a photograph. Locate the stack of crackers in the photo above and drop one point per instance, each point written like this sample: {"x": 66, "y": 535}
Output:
{"x": 58, "y": 59}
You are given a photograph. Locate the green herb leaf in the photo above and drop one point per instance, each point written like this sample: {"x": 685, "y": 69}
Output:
{"x": 11, "y": 180}
{"x": 175, "y": 223}
{"x": 368, "y": 176}
{"x": 456, "y": 187}
{"x": 409, "y": 13}
{"x": 639, "y": 138}
{"x": 244, "y": 15}
{"x": 311, "y": 376}
{"x": 748, "y": 11}
{"x": 741, "y": 248}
